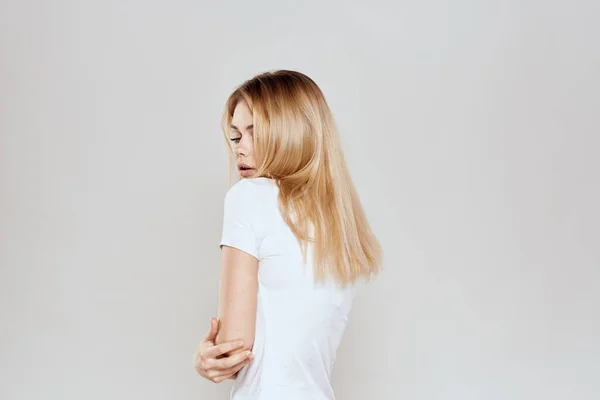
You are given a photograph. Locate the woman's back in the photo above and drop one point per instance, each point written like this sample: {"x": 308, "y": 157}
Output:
{"x": 299, "y": 323}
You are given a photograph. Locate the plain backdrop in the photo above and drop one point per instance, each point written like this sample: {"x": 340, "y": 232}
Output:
{"x": 471, "y": 129}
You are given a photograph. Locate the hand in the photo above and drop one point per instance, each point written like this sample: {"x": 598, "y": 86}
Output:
{"x": 209, "y": 359}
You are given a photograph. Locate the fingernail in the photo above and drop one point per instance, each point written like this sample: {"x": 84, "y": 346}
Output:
{"x": 240, "y": 343}
{"x": 251, "y": 356}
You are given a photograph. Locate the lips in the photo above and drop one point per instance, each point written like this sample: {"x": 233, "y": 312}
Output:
{"x": 245, "y": 170}
{"x": 244, "y": 167}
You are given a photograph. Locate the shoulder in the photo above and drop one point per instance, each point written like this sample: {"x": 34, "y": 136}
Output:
{"x": 251, "y": 193}
{"x": 250, "y": 203}
{"x": 250, "y": 190}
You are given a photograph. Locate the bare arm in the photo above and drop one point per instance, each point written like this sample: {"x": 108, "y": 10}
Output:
{"x": 238, "y": 290}
{"x": 209, "y": 361}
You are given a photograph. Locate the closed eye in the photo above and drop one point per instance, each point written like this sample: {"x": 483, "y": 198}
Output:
{"x": 236, "y": 140}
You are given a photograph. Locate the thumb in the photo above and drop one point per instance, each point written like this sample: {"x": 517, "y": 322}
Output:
{"x": 212, "y": 332}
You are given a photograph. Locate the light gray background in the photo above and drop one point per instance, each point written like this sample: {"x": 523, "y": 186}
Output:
{"x": 471, "y": 130}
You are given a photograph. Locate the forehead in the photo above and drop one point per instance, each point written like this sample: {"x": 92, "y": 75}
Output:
{"x": 242, "y": 116}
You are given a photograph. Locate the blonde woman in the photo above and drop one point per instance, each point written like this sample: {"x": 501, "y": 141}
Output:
{"x": 295, "y": 241}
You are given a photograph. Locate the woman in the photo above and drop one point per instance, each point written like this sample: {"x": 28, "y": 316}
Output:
{"x": 295, "y": 240}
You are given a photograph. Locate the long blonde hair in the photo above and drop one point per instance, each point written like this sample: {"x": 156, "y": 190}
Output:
{"x": 296, "y": 143}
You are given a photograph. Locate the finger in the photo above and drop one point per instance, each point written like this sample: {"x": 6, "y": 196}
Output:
{"x": 233, "y": 360}
{"x": 220, "y": 349}
{"x": 220, "y": 376}
{"x": 212, "y": 332}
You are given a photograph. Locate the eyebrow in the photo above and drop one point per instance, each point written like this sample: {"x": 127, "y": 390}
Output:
{"x": 247, "y": 128}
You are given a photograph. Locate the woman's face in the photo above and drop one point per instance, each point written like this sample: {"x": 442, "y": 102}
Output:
{"x": 240, "y": 134}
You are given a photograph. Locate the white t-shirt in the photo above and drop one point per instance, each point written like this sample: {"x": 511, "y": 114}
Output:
{"x": 299, "y": 324}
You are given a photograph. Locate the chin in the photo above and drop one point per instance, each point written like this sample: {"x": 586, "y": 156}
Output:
{"x": 247, "y": 173}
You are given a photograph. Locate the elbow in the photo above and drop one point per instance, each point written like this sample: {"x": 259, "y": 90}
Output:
{"x": 248, "y": 346}
{"x": 231, "y": 337}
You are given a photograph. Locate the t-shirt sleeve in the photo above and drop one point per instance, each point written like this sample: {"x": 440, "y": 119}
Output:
{"x": 239, "y": 231}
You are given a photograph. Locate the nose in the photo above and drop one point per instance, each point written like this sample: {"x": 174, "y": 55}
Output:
{"x": 239, "y": 150}
{"x": 241, "y": 147}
